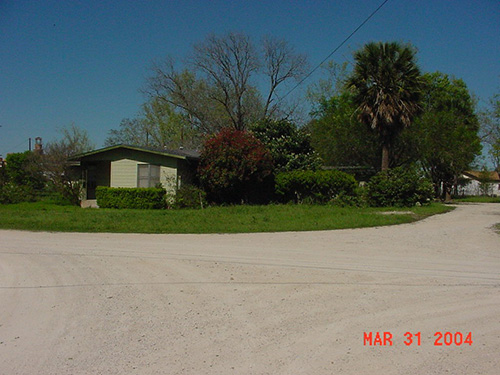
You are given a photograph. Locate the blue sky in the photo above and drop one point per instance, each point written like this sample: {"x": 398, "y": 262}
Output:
{"x": 83, "y": 62}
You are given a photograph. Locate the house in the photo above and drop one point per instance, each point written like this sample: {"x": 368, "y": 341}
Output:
{"x": 132, "y": 167}
{"x": 473, "y": 183}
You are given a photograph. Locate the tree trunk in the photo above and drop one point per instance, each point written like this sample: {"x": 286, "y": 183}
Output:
{"x": 447, "y": 193}
{"x": 385, "y": 157}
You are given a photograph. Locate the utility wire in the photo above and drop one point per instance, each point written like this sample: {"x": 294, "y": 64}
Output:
{"x": 335, "y": 50}
{"x": 15, "y": 147}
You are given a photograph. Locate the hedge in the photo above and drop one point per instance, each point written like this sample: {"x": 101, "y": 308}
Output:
{"x": 314, "y": 186}
{"x": 189, "y": 196}
{"x": 403, "y": 187}
{"x": 142, "y": 198}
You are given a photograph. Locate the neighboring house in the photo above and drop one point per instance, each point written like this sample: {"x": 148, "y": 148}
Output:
{"x": 132, "y": 166}
{"x": 473, "y": 183}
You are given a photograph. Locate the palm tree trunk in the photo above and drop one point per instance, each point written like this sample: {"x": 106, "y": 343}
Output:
{"x": 385, "y": 157}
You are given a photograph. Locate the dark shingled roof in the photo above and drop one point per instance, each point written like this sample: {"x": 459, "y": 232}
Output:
{"x": 179, "y": 153}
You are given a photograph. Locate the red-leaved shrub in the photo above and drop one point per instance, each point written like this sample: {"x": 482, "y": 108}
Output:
{"x": 235, "y": 167}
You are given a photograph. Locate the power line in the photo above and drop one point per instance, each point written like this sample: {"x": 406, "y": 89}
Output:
{"x": 15, "y": 147}
{"x": 335, "y": 50}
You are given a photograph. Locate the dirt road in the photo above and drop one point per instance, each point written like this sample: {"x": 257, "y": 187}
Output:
{"x": 278, "y": 303}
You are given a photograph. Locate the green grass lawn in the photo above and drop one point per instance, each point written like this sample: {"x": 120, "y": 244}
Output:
{"x": 478, "y": 200}
{"x": 42, "y": 216}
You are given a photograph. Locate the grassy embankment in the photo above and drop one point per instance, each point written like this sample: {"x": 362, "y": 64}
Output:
{"x": 42, "y": 216}
{"x": 478, "y": 200}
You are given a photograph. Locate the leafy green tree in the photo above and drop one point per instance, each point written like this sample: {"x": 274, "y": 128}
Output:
{"x": 386, "y": 83}
{"x": 189, "y": 94}
{"x": 290, "y": 146}
{"x": 130, "y": 131}
{"x": 158, "y": 125}
{"x": 3, "y": 176}
{"x": 22, "y": 170}
{"x": 235, "y": 167}
{"x": 327, "y": 87}
{"x": 166, "y": 127}
{"x": 340, "y": 138}
{"x": 447, "y": 130}
{"x": 22, "y": 178}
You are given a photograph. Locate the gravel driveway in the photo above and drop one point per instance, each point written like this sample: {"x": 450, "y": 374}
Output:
{"x": 275, "y": 303}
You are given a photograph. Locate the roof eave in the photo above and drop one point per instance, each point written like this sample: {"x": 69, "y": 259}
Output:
{"x": 129, "y": 147}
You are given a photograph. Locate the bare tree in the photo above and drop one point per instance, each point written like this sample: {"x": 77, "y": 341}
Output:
{"x": 490, "y": 129}
{"x": 187, "y": 93}
{"x": 56, "y": 167}
{"x": 228, "y": 63}
{"x": 282, "y": 63}
{"x": 219, "y": 85}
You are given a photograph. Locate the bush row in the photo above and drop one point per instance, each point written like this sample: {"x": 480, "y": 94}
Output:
{"x": 396, "y": 187}
{"x": 314, "y": 186}
{"x": 143, "y": 198}
{"x": 400, "y": 187}
{"x": 403, "y": 187}
{"x": 188, "y": 196}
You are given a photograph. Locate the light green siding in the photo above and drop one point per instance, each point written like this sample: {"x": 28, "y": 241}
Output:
{"x": 124, "y": 173}
{"x": 168, "y": 178}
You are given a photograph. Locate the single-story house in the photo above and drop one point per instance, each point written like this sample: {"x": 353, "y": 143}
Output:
{"x": 474, "y": 183}
{"x": 133, "y": 166}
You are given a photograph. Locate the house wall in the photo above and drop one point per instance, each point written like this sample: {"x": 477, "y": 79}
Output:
{"x": 473, "y": 188}
{"x": 119, "y": 168}
{"x": 168, "y": 178}
{"x": 124, "y": 173}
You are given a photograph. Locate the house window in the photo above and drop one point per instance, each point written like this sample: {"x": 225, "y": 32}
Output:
{"x": 148, "y": 175}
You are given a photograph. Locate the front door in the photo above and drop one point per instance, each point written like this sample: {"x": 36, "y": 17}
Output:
{"x": 91, "y": 182}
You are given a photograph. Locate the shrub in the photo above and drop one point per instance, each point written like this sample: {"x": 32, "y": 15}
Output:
{"x": 289, "y": 145}
{"x": 12, "y": 193}
{"x": 314, "y": 186}
{"x": 349, "y": 200}
{"x": 23, "y": 169}
{"x": 403, "y": 187}
{"x": 190, "y": 196}
{"x": 234, "y": 167}
{"x": 21, "y": 178}
{"x": 142, "y": 198}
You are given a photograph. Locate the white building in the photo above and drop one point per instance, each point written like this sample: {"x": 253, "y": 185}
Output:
{"x": 473, "y": 184}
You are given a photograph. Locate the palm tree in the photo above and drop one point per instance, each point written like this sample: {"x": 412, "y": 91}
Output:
{"x": 386, "y": 82}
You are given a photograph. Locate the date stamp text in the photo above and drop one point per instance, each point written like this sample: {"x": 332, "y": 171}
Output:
{"x": 415, "y": 339}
